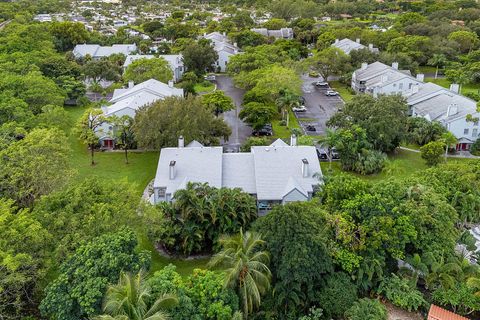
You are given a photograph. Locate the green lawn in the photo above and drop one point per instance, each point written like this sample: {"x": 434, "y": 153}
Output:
{"x": 475, "y": 88}
{"x": 202, "y": 88}
{"x": 283, "y": 132}
{"x": 139, "y": 172}
{"x": 402, "y": 164}
{"x": 344, "y": 90}
{"x": 426, "y": 69}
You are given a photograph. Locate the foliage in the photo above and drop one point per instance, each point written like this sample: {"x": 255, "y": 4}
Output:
{"x": 163, "y": 122}
{"x": 123, "y": 132}
{"x": 421, "y": 131}
{"x": 253, "y": 141}
{"x": 246, "y": 267}
{"x": 199, "y": 215}
{"x": 365, "y": 308}
{"x": 432, "y": 152}
{"x": 330, "y": 61}
{"x": 67, "y": 34}
{"x": 78, "y": 289}
{"x": 103, "y": 69}
{"x": 218, "y": 102}
{"x": 144, "y": 69}
{"x": 131, "y": 297}
{"x": 87, "y": 127}
{"x": 258, "y": 114}
{"x": 199, "y": 57}
{"x": 461, "y": 298}
{"x": 401, "y": 293}
{"x": 34, "y": 166}
{"x": 337, "y": 295}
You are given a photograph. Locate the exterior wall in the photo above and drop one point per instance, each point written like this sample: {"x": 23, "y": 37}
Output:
{"x": 223, "y": 59}
{"x": 294, "y": 195}
{"x": 402, "y": 86}
{"x": 459, "y": 127}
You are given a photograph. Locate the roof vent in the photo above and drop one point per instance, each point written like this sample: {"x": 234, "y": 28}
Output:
{"x": 304, "y": 168}
{"x": 172, "y": 169}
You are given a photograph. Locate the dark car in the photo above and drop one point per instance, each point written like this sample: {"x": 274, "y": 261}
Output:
{"x": 265, "y": 131}
{"x": 310, "y": 128}
{"x": 322, "y": 153}
{"x": 335, "y": 154}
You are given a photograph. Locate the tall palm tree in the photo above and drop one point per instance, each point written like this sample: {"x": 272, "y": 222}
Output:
{"x": 286, "y": 101}
{"x": 245, "y": 266}
{"x": 328, "y": 141}
{"x": 437, "y": 60}
{"x": 449, "y": 139}
{"x": 130, "y": 299}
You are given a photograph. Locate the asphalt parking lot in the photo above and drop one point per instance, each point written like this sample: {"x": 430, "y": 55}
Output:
{"x": 319, "y": 106}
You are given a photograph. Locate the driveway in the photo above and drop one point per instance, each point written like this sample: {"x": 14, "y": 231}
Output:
{"x": 320, "y": 107}
{"x": 240, "y": 131}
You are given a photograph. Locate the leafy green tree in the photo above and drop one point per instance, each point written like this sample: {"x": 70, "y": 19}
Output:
{"x": 256, "y": 58}
{"x": 129, "y": 299}
{"x": 466, "y": 40}
{"x": 286, "y": 101}
{"x": 67, "y": 34}
{"x": 123, "y": 132}
{"x": 253, "y": 141}
{"x": 247, "y": 38}
{"x": 461, "y": 298}
{"x": 86, "y": 128}
{"x": 34, "y": 166}
{"x": 367, "y": 309}
{"x": 163, "y": 122}
{"x": 53, "y": 117}
{"x": 337, "y": 295}
{"x": 449, "y": 139}
{"x": 421, "y": 131}
{"x": 330, "y": 61}
{"x": 83, "y": 278}
{"x": 199, "y": 57}
{"x": 432, "y": 152}
{"x": 218, "y": 102}
{"x": 325, "y": 40}
{"x": 401, "y": 293}
{"x": 257, "y": 114}
{"x": 437, "y": 60}
{"x": 144, "y": 69}
{"x": 246, "y": 268}
{"x": 103, "y": 69}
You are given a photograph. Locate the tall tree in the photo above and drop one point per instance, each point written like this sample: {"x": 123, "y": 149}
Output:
{"x": 330, "y": 61}
{"x": 199, "y": 57}
{"x": 449, "y": 139}
{"x": 437, "y": 60}
{"x": 246, "y": 268}
{"x": 144, "y": 69}
{"x": 122, "y": 127}
{"x": 218, "y": 102}
{"x": 87, "y": 127}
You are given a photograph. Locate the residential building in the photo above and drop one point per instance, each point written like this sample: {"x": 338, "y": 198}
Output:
{"x": 175, "y": 62}
{"x": 437, "y": 313}
{"x": 283, "y": 33}
{"x": 274, "y": 174}
{"x": 378, "y": 78}
{"x": 347, "y": 45}
{"x": 223, "y": 48}
{"x": 97, "y": 52}
{"x": 128, "y": 101}
{"x": 457, "y": 113}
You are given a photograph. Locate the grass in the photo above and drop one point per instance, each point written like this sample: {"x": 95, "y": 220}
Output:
{"x": 466, "y": 88}
{"x": 139, "y": 172}
{"x": 401, "y": 164}
{"x": 427, "y": 69}
{"x": 202, "y": 87}
{"x": 344, "y": 90}
{"x": 284, "y": 132}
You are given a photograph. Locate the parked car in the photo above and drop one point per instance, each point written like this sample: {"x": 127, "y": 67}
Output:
{"x": 210, "y": 77}
{"x": 322, "y": 153}
{"x": 331, "y": 93}
{"x": 321, "y": 84}
{"x": 265, "y": 131}
{"x": 335, "y": 154}
{"x": 310, "y": 128}
{"x": 299, "y": 109}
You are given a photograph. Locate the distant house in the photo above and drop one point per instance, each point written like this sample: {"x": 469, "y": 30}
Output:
{"x": 275, "y": 174}
{"x": 283, "y": 33}
{"x": 175, "y": 62}
{"x": 437, "y": 313}
{"x": 97, "y": 52}
{"x": 128, "y": 101}
{"x": 223, "y": 48}
{"x": 347, "y": 45}
{"x": 378, "y": 78}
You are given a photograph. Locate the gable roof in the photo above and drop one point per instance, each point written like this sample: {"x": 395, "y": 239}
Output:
{"x": 283, "y": 33}
{"x": 97, "y": 51}
{"x": 279, "y": 143}
{"x": 347, "y": 45}
{"x": 437, "y": 313}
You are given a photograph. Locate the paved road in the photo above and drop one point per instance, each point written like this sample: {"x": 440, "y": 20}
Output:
{"x": 319, "y": 106}
{"x": 240, "y": 131}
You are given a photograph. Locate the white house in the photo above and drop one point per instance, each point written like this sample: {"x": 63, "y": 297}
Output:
{"x": 436, "y": 103}
{"x": 97, "y": 52}
{"x": 283, "y": 33}
{"x": 175, "y": 62}
{"x": 378, "y": 78}
{"x": 223, "y": 48}
{"x": 347, "y": 45}
{"x": 128, "y": 101}
{"x": 275, "y": 174}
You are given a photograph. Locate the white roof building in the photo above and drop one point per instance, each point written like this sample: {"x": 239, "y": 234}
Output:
{"x": 175, "y": 62}
{"x": 347, "y": 45}
{"x": 223, "y": 48}
{"x": 283, "y": 33}
{"x": 96, "y": 51}
{"x": 274, "y": 174}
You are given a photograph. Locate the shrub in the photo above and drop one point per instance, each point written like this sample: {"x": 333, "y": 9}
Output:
{"x": 365, "y": 308}
{"x": 475, "y": 148}
{"x": 432, "y": 152}
{"x": 338, "y": 294}
{"x": 401, "y": 293}
{"x": 370, "y": 161}
{"x": 254, "y": 141}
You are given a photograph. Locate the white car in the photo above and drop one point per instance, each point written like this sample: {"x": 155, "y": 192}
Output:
{"x": 331, "y": 93}
{"x": 299, "y": 109}
{"x": 321, "y": 84}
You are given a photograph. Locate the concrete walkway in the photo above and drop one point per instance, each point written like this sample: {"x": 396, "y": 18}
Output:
{"x": 461, "y": 154}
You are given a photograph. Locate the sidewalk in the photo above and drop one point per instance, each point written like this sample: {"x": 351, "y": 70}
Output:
{"x": 461, "y": 154}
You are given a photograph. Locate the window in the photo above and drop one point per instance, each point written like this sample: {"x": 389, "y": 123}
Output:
{"x": 394, "y": 85}
{"x": 400, "y": 86}
{"x": 465, "y": 131}
{"x": 475, "y": 133}
{"x": 161, "y": 192}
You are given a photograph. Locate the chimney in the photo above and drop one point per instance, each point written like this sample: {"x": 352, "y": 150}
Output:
{"x": 224, "y": 34}
{"x": 293, "y": 140}
{"x": 395, "y": 65}
{"x": 364, "y": 66}
{"x": 170, "y": 83}
{"x": 172, "y": 169}
{"x": 336, "y": 41}
{"x": 370, "y": 46}
{"x": 420, "y": 77}
{"x": 304, "y": 168}
{"x": 455, "y": 87}
{"x": 131, "y": 84}
{"x": 357, "y": 40}
{"x": 235, "y": 44}
{"x": 181, "y": 142}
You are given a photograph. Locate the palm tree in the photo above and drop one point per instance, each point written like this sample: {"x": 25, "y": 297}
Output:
{"x": 286, "y": 101}
{"x": 449, "y": 139}
{"x": 328, "y": 141}
{"x": 474, "y": 283}
{"x": 442, "y": 274}
{"x": 437, "y": 60}
{"x": 130, "y": 299}
{"x": 246, "y": 267}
